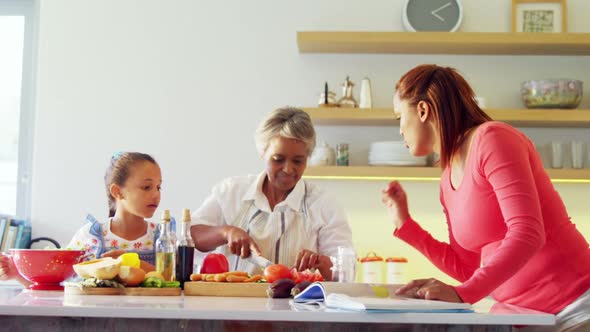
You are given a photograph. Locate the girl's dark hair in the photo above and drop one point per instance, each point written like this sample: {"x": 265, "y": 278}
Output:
{"x": 451, "y": 101}
{"x": 119, "y": 171}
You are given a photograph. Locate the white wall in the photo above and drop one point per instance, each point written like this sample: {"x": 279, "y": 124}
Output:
{"x": 188, "y": 81}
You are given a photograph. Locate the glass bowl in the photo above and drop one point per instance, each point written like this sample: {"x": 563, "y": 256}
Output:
{"x": 558, "y": 93}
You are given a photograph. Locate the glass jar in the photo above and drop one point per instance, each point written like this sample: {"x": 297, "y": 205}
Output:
{"x": 344, "y": 265}
{"x": 395, "y": 270}
{"x": 372, "y": 268}
{"x": 342, "y": 154}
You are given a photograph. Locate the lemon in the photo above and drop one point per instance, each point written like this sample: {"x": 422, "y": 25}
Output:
{"x": 130, "y": 259}
{"x": 380, "y": 291}
{"x": 154, "y": 274}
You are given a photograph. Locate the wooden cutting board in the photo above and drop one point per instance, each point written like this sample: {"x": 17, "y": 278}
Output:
{"x": 238, "y": 289}
{"x": 136, "y": 291}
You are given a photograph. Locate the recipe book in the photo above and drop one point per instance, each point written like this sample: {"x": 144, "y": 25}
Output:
{"x": 367, "y": 297}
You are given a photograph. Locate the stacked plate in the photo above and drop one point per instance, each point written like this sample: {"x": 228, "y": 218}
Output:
{"x": 393, "y": 153}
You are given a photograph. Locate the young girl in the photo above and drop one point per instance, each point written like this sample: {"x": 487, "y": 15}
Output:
{"x": 133, "y": 182}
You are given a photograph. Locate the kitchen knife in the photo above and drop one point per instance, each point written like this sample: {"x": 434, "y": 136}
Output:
{"x": 258, "y": 260}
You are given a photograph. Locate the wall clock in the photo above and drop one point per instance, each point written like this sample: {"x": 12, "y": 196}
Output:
{"x": 432, "y": 15}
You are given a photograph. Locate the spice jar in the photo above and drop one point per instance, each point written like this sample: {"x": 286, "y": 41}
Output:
{"x": 372, "y": 268}
{"x": 395, "y": 270}
{"x": 342, "y": 154}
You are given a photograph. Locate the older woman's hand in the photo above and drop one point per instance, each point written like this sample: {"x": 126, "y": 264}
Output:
{"x": 307, "y": 259}
{"x": 429, "y": 289}
{"x": 239, "y": 242}
{"x": 395, "y": 199}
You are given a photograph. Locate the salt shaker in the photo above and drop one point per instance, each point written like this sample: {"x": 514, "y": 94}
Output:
{"x": 365, "y": 97}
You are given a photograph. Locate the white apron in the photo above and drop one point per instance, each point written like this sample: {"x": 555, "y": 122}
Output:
{"x": 280, "y": 235}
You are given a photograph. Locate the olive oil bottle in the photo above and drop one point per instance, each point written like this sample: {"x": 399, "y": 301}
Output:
{"x": 186, "y": 250}
{"x": 166, "y": 250}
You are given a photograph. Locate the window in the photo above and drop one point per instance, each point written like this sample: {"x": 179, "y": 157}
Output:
{"x": 16, "y": 105}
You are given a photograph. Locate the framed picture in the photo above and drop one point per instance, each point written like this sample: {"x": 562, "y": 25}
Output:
{"x": 539, "y": 16}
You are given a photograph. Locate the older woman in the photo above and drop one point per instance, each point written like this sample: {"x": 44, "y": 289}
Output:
{"x": 275, "y": 214}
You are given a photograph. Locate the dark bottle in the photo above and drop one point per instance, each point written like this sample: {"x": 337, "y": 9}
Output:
{"x": 186, "y": 250}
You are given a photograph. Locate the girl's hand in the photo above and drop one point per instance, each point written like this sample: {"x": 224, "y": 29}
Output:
{"x": 7, "y": 269}
{"x": 115, "y": 253}
{"x": 307, "y": 259}
{"x": 9, "y": 272}
{"x": 429, "y": 289}
{"x": 239, "y": 242}
{"x": 395, "y": 199}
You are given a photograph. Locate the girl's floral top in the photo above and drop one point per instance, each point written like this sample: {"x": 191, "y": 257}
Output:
{"x": 90, "y": 243}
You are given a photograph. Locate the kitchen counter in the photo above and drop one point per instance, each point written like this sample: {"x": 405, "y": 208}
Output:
{"x": 17, "y": 306}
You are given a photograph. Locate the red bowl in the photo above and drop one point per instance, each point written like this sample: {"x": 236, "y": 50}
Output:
{"x": 46, "y": 269}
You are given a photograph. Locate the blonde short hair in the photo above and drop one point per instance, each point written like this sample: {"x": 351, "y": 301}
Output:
{"x": 288, "y": 122}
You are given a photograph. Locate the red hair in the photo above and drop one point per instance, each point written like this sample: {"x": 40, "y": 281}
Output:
{"x": 451, "y": 100}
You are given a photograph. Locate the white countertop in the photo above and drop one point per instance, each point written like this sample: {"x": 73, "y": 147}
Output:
{"x": 16, "y": 301}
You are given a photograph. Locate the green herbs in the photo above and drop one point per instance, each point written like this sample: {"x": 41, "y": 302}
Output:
{"x": 93, "y": 282}
{"x": 155, "y": 282}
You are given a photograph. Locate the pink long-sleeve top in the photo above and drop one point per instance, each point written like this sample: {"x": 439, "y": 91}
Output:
{"x": 509, "y": 232}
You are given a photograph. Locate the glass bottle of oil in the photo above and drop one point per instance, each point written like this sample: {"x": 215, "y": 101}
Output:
{"x": 186, "y": 250}
{"x": 166, "y": 250}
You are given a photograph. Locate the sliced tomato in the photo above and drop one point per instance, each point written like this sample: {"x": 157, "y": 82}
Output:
{"x": 310, "y": 275}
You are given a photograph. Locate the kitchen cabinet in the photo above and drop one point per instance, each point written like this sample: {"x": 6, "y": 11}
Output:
{"x": 466, "y": 43}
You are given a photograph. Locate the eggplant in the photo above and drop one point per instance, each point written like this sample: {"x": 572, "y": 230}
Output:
{"x": 280, "y": 288}
{"x": 300, "y": 287}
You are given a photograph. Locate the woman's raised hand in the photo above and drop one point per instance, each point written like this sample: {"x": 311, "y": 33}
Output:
{"x": 240, "y": 243}
{"x": 395, "y": 199}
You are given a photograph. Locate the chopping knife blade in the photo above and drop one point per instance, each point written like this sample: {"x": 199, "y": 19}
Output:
{"x": 258, "y": 260}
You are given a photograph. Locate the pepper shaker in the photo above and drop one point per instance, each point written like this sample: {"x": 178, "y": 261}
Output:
{"x": 365, "y": 97}
{"x": 347, "y": 99}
